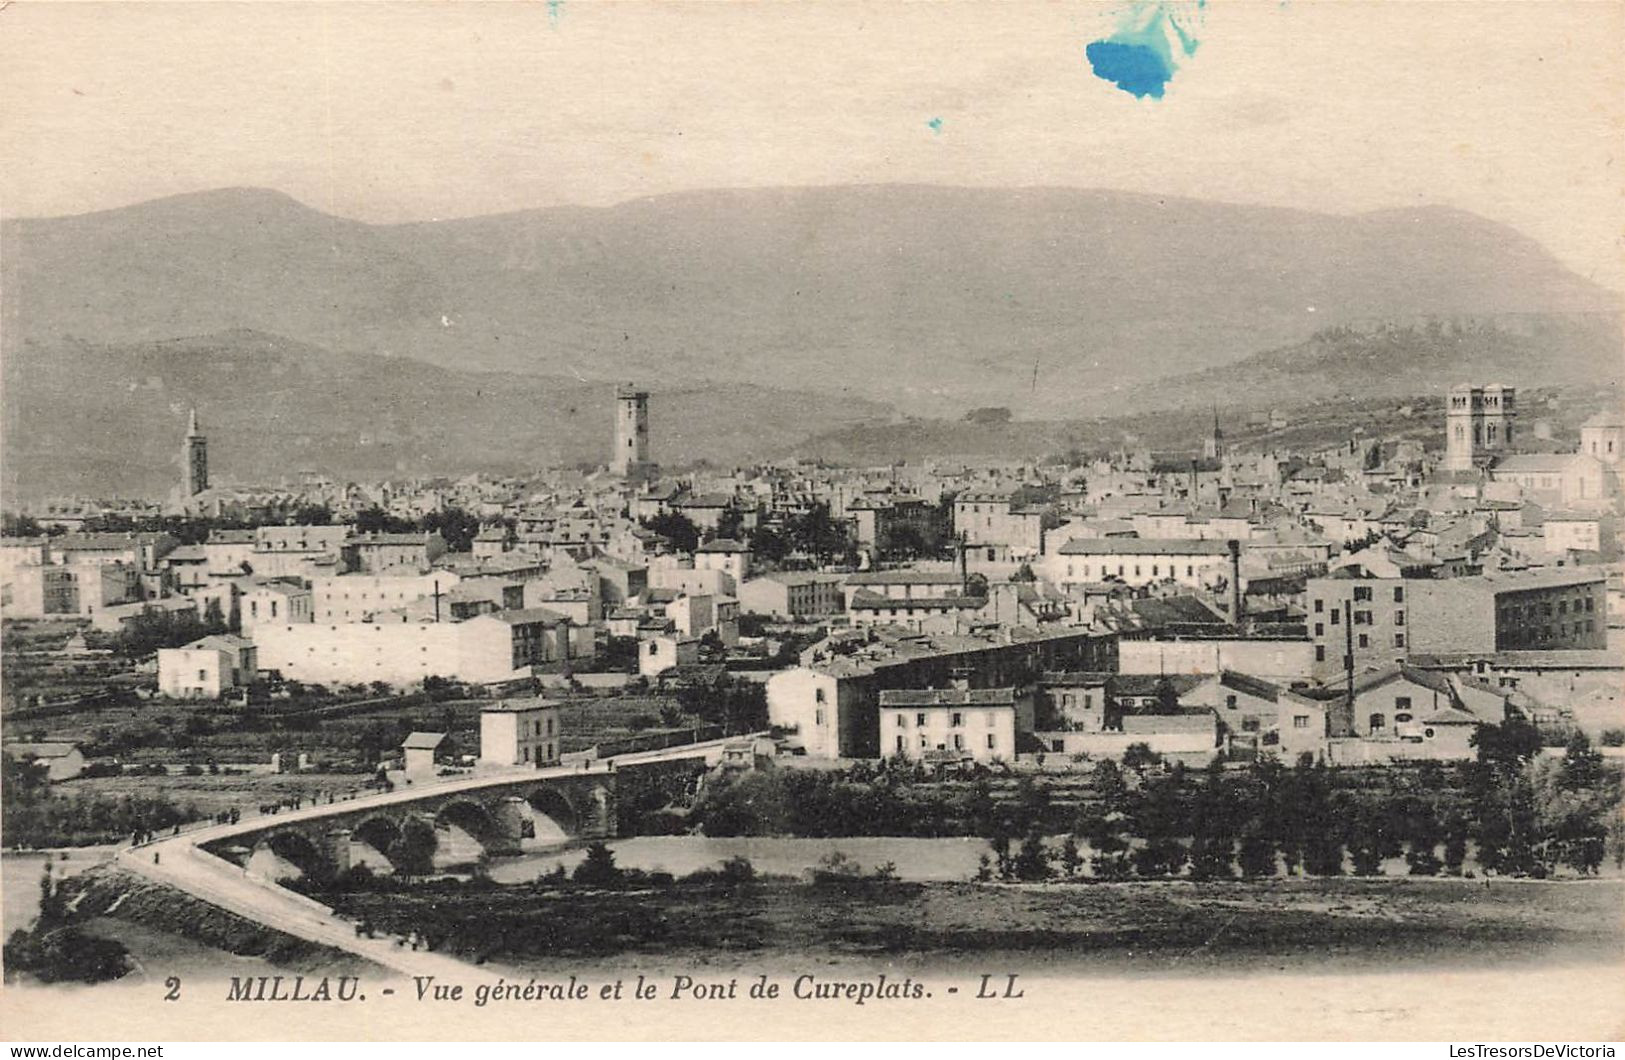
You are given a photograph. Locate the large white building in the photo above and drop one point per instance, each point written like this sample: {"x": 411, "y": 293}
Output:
{"x": 1196, "y": 562}
{"x": 488, "y": 648}
{"x": 358, "y": 597}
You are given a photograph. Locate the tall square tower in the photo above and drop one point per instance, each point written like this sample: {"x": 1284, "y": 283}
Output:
{"x": 631, "y": 430}
{"x": 1478, "y": 424}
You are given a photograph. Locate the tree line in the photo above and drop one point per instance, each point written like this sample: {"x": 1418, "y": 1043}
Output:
{"x": 1511, "y": 812}
{"x": 1515, "y": 812}
{"x": 32, "y": 816}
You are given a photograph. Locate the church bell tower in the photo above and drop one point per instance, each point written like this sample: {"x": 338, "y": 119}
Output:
{"x": 196, "y": 459}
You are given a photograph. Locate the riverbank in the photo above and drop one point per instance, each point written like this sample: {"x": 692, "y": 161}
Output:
{"x": 166, "y": 932}
{"x": 1309, "y": 925}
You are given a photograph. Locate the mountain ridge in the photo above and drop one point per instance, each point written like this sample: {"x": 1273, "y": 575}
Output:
{"x": 961, "y": 296}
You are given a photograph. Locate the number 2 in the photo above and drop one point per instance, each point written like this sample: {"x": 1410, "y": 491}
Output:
{"x": 174, "y": 984}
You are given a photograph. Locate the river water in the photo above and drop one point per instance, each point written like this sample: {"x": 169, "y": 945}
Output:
{"x": 20, "y": 880}
{"x": 923, "y": 860}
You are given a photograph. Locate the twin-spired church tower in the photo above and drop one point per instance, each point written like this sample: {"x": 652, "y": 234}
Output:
{"x": 631, "y": 454}
{"x": 1478, "y": 424}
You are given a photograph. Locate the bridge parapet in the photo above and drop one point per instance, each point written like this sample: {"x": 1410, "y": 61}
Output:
{"x": 499, "y": 815}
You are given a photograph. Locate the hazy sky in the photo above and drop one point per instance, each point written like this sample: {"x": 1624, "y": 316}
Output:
{"x": 400, "y": 111}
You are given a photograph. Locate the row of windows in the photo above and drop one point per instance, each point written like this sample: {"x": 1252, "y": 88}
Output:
{"x": 956, "y": 720}
{"x": 1087, "y": 570}
{"x": 1362, "y": 595}
{"x": 1514, "y": 612}
{"x": 1489, "y": 434}
{"x": 992, "y": 743}
{"x": 1363, "y": 618}
{"x": 402, "y": 595}
{"x": 1545, "y": 633}
{"x": 1362, "y": 641}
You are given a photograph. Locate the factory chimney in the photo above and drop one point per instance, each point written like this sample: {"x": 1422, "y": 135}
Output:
{"x": 1235, "y": 583}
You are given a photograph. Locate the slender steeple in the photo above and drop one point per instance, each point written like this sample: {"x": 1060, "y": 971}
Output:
{"x": 195, "y": 457}
{"x": 1213, "y": 448}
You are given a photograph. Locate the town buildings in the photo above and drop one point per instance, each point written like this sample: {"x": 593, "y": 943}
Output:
{"x": 1221, "y": 600}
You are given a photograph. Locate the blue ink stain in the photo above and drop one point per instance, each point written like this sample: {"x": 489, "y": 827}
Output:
{"x": 555, "y": 8}
{"x": 1134, "y": 68}
{"x": 1142, "y": 55}
{"x": 935, "y": 124}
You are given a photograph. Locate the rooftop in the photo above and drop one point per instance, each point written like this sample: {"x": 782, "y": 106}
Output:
{"x": 948, "y": 697}
{"x": 903, "y": 577}
{"x": 1537, "y": 462}
{"x": 723, "y": 544}
{"x": 390, "y": 539}
{"x": 703, "y": 500}
{"x": 869, "y": 600}
{"x": 1539, "y": 578}
{"x": 1251, "y": 685}
{"x": 1144, "y": 546}
{"x": 40, "y": 750}
{"x": 516, "y": 706}
{"x": 526, "y": 615}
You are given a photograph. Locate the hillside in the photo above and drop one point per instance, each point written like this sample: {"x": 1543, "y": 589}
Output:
{"x": 103, "y": 419}
{"x": 931, "y": 298}
{"x": 1405, "y": 360}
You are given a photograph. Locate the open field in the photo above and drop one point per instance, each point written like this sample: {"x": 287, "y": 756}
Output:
{"x": 211, "y": 794}
{"x": 34, "y": 664}
{"x": 334, "y": 733}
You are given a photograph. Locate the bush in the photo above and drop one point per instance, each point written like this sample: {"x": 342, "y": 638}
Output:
{"x": 838, "y": 863}
{"x": 66, "y": 955}
{"x": 737, "y": 869}
{"x": 1612, "y": 738}
{"x": 598, "y": 870}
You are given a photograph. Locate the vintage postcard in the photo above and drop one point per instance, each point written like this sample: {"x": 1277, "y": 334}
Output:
{"x": 837, "y": 520}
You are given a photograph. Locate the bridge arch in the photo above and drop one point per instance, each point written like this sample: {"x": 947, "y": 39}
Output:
{"x": 553, "y": 804}
{"x": 476, "y": 822}
{"x": 379, "y": 835}
{"x": 289, "y": 846}
{"x": 472, "y": 817}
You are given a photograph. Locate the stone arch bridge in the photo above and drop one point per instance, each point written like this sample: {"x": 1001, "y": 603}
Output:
{"x": 467, "y": 820}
